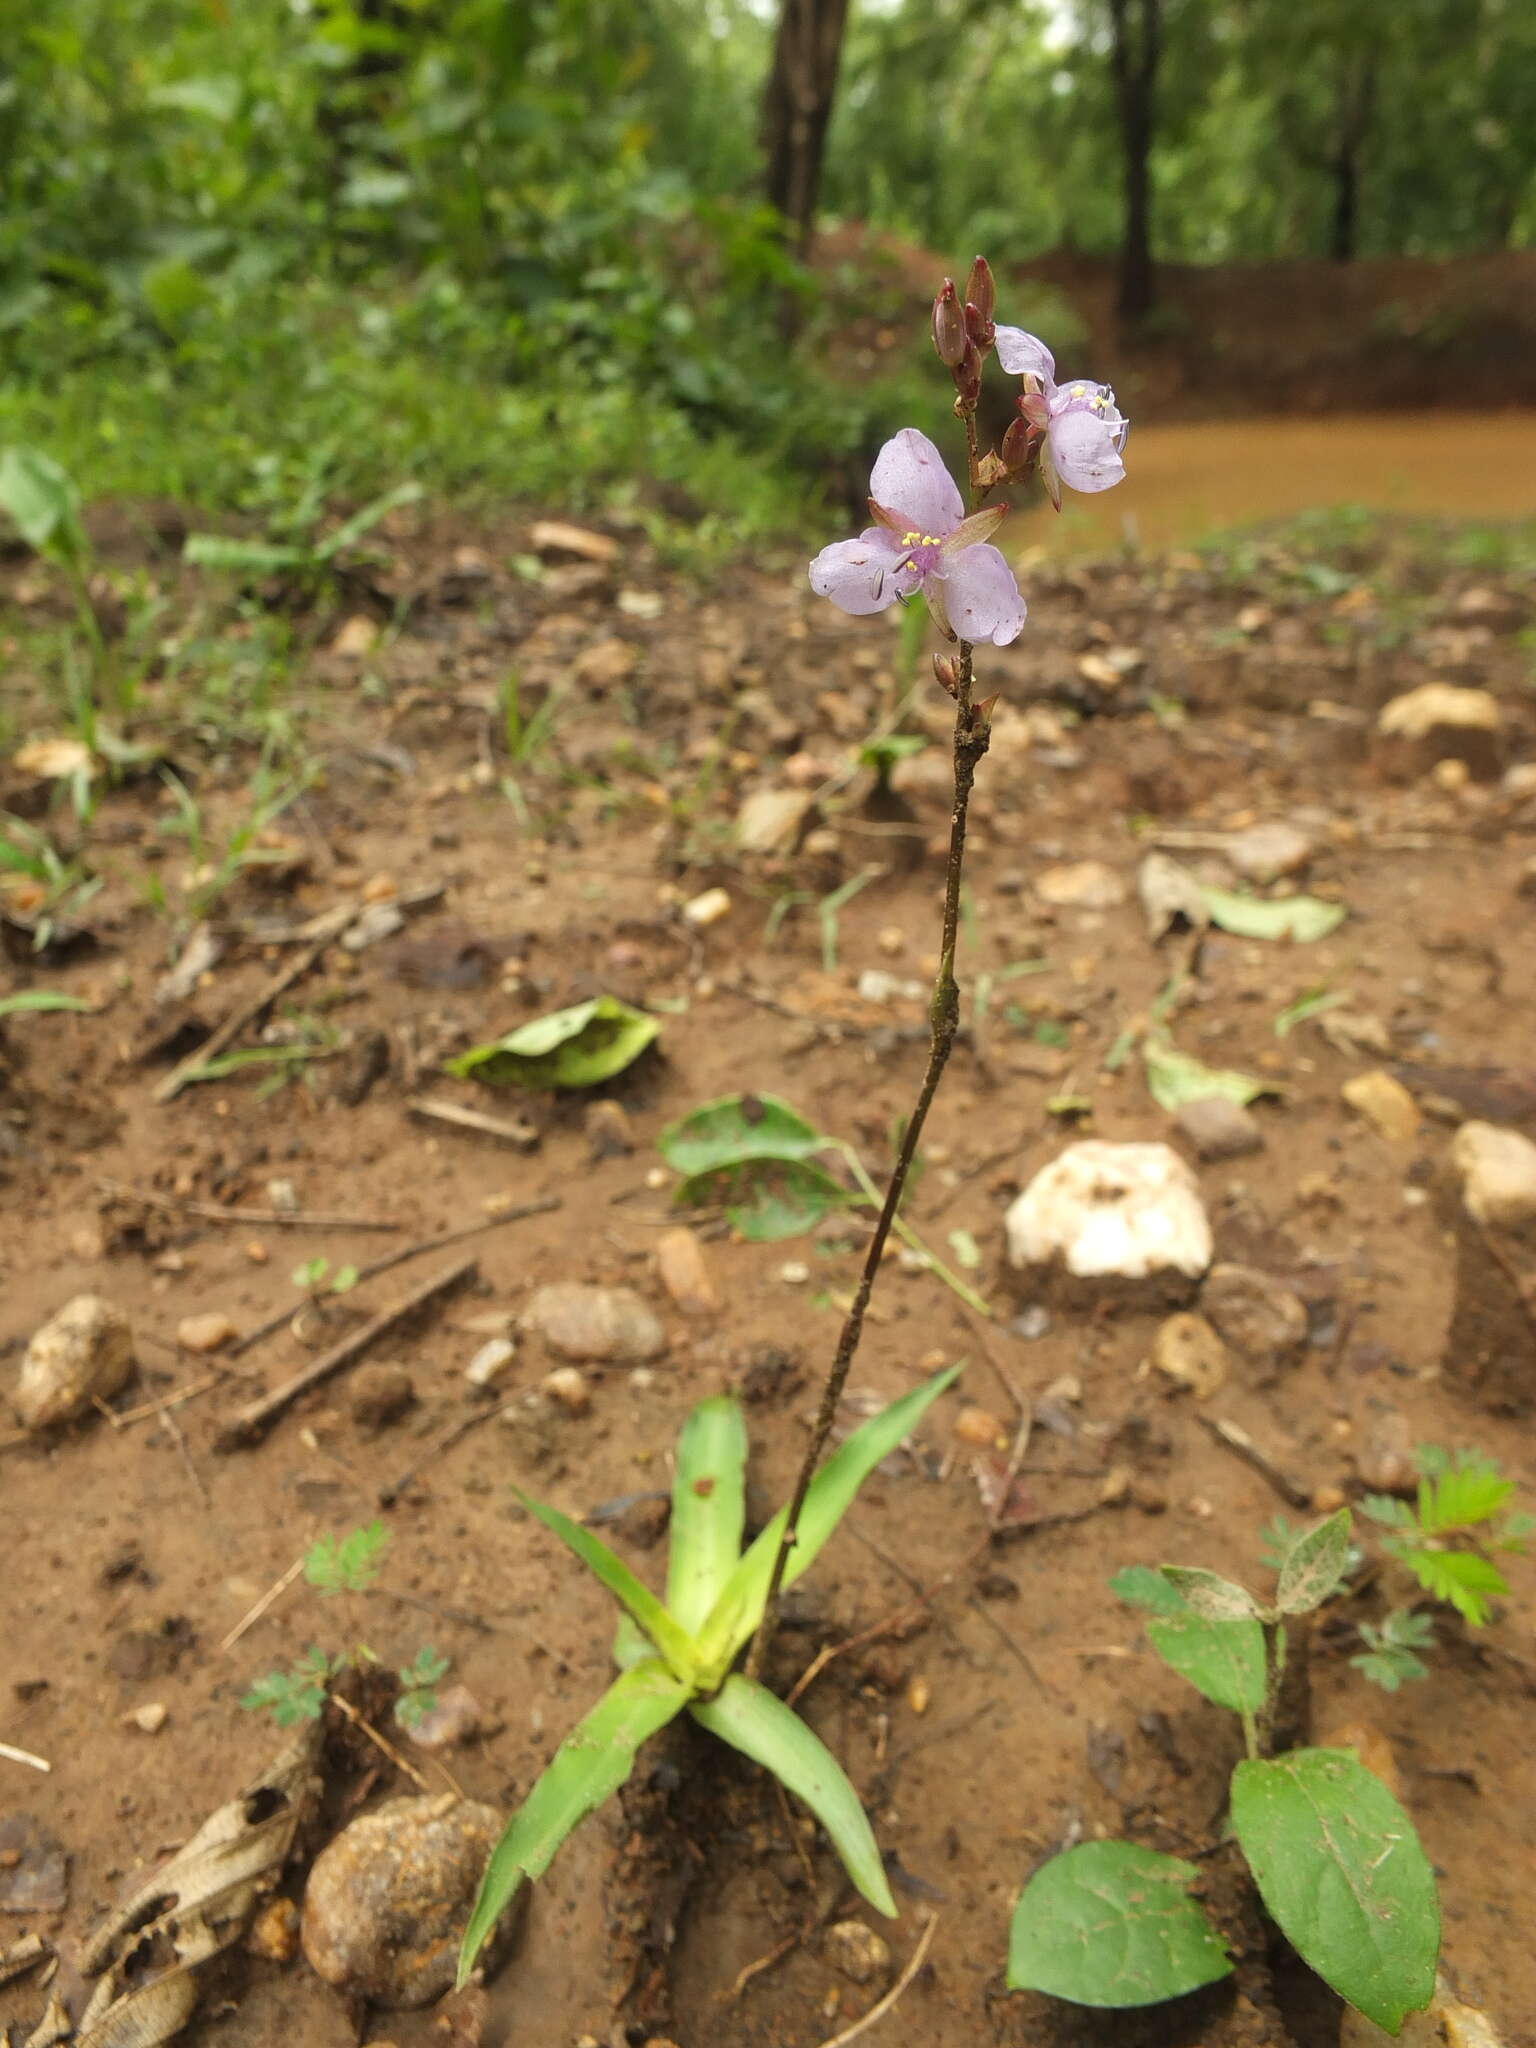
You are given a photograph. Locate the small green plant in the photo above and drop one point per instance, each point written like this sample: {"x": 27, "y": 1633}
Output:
{"x": 49, "y": 890}
{"x": 295, "y": 547}
{"x": 1334, "y": 1856}
{"x": 315, "y": 1277}
{"x": 678, "y": 1657}
{"x": 1446, "y": 1535}
{"x": 339, "y": 1565}
{"x": 215, "y": 865}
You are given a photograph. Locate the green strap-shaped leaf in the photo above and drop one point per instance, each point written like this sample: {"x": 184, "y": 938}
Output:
{"x": 708, "y": 1508}
{"x": 1112, "y": 1924}
{"x": 1338, "y": 1864}
{"x": 757, "y": 1722}
{"x": 641, "y": 1602}
{"x": 592, "y": 1762}
{"x": 739, "y": 1608}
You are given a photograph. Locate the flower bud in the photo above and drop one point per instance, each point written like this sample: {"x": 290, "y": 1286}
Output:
{"x": 948, "y": 326}
{"x": 968, "y": 378}
{"x": 980, "y": 291}
{"x": 1018, "y": 445}
{"x": 946, "y": 671}
{"x": 981, "y": 331}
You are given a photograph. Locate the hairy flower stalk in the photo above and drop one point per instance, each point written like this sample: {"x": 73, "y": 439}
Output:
{"x": 924, "y": 539}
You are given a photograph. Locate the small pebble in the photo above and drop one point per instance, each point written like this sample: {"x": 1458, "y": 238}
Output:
{"x": 608, "y": 1130}
{"x": 794, "y": 1272}
{"x": 380, "y": 1394}
{"x": 981, "y": 1428}
{"x": 149, "y": 1719}
{"x": 684, "y": 1268}
{"x": 490, "y": 1362}
{"x": 862, "y": 1955}
{"x": 456, "y": 1717}
{"x": 274, "y": 1933}
{"x": 569, "y": 1387}
{"x": 703, "y": 911}
{"x": 82, "y": 1354}
{"x": 919, "y": 1692}
{"x": 204, "y": 1333}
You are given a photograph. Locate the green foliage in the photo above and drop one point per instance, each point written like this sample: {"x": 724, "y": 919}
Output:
{"x": 297, "y": 1694}
{"x": 43, "y": 503}
{"x": 1390, "y": 1658}
{"x": 1112, "y": 1924}
{"x": 1338, "y": 1864}
{"x": 1301, "y": 919}
{"x": 346, "y": 1564}
{"x": 754, "y": 1157}
{"x": 1334, "y": 1856}
{"x": 716, "y": 1598}
{"x": 574, "y": 1048}
{"x": 419, "y": 1681}
{"x": 1175, "y": 1077}
{"x": 33, "y": 1000}
{"x": 1445, "y": 1536}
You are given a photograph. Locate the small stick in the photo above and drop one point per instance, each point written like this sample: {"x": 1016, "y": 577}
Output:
{"x": 750, "y": 1970}
{"x": 401, "y": 1254}
{"x": 12, "y": 1754}
{"x": 1242, "y": 1445}
{"x": 523, "y": 1136}
{"x": 167, "y": 1416}
{"x": 388, "y": 1495}
{"x": 253, "y": 1614}
{"x": 164, "y": 1405}
{"x": 400, "y": 1763}
{"x": 882, "y": 2006}
{"x": 329, "y": 926}
{"x": 249, "y": 1422}
{"x": 216, "y": 1212}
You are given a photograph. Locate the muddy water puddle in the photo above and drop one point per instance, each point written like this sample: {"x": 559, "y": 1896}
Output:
{"x": 1190, "y": 479}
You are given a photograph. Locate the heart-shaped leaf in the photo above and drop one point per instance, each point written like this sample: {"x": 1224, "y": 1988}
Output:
{"x": 1338, "y": 1864}
{"x": 1209, "y": 1595}
{"x": 573, "y": 1048}
{"x": 738, "y": 1127}
{"x": 767, "y": 1199}
{"x": 1112, "y": 1924}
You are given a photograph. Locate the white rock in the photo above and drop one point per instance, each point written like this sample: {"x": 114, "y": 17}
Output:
{"x": 81, "y": 1355}
{"x": 771, "y": 820}
{"x": 703, "y": 911}
{"x": 1112, "y": 1211}
{"x": 1498, "y": 1175}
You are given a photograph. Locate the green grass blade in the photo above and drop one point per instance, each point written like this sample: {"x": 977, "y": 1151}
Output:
{"x": 641, "y": 1603}
{"x": 593, "y": 1761}
{"x": 708, "y": 1508}
{"x": 739, "y": 1608}
{"x": 755, "y": 1721}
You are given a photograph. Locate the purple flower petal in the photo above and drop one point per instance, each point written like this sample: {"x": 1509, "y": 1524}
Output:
{"x": 1085, "y": 447}
{"x": 1025, "y": 355}
{"x": 981, "y": 597}
{"x": 910, "y": 478}
{"x": 860, "y": 576}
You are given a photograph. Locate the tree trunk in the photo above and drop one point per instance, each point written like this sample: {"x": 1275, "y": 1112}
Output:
{"x": 797, "y": 106}
{"x": 1357, "y": 99}
{"x": 1134, "y": 51}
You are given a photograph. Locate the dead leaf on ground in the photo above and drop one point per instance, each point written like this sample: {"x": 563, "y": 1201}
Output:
{"x": 1171, "y": 897}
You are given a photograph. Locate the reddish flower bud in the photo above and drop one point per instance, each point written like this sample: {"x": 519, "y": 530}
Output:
{"x": 980, "y": 291}
{"x": 946, "y": 672}
{"x": 948, "y": 326}
{"x": 968, "y": 377}
{"x": 1018, "y": 445}
{"x": 981, "y": 331}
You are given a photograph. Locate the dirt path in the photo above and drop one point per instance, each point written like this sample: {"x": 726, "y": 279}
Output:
{"x": 1019, "y": 1709}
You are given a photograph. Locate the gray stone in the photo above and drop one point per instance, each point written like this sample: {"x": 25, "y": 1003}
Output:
{"x": 82, "y": 1354}
{"x": 610, "y": 1325}
{"x": 1219, "y": 1128}
{"x": 1256, "y": 1315}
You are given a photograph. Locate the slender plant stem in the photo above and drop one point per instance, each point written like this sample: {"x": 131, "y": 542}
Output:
{"x": 972, "y": 733}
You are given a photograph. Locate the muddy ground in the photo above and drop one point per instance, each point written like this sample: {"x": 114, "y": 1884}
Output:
{"x": 1015, "y": 1707}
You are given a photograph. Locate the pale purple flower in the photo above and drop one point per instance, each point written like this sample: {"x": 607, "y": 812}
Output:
{"x": 1084, "y": 428}
{"x": 923, "y": 541}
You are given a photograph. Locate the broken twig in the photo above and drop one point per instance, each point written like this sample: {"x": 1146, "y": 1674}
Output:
{"x": 883, "y": 2005}
{"x": 216, "y": 1212}
{"x": 1242, "y": 1445}
{"x": 13, "y": 1755}
{"x": 523, "y": 1136}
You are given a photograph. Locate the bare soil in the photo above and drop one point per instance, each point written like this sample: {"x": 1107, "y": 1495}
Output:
{"x": 1014, "y": 1707}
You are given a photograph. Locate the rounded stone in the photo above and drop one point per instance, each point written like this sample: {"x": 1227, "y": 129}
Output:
{"x": 387, "y": 1901}
{"x": 81, "y": 1355}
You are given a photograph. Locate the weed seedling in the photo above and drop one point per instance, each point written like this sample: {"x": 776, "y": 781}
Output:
{"x": 678, "y": 1657}
{"x": 340, "y": 1566}
{"x": 1334, "y": 1856}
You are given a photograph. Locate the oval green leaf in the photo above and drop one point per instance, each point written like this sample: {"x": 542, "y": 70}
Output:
{"x": 574, "y": 1048}
{"x": 1209, "y": 1595}
{"x": 1314, "y": 1565}
{"x": 734, "y": 1128}
{"x": 767, "y": 1199}
{"x": 1338, "y": 1864}
{"x": 1112, "y": 1924}
{"x": 1222, "y": 1659}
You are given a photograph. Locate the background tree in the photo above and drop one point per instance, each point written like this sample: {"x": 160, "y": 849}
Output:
{"x": 797, "y": 106}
